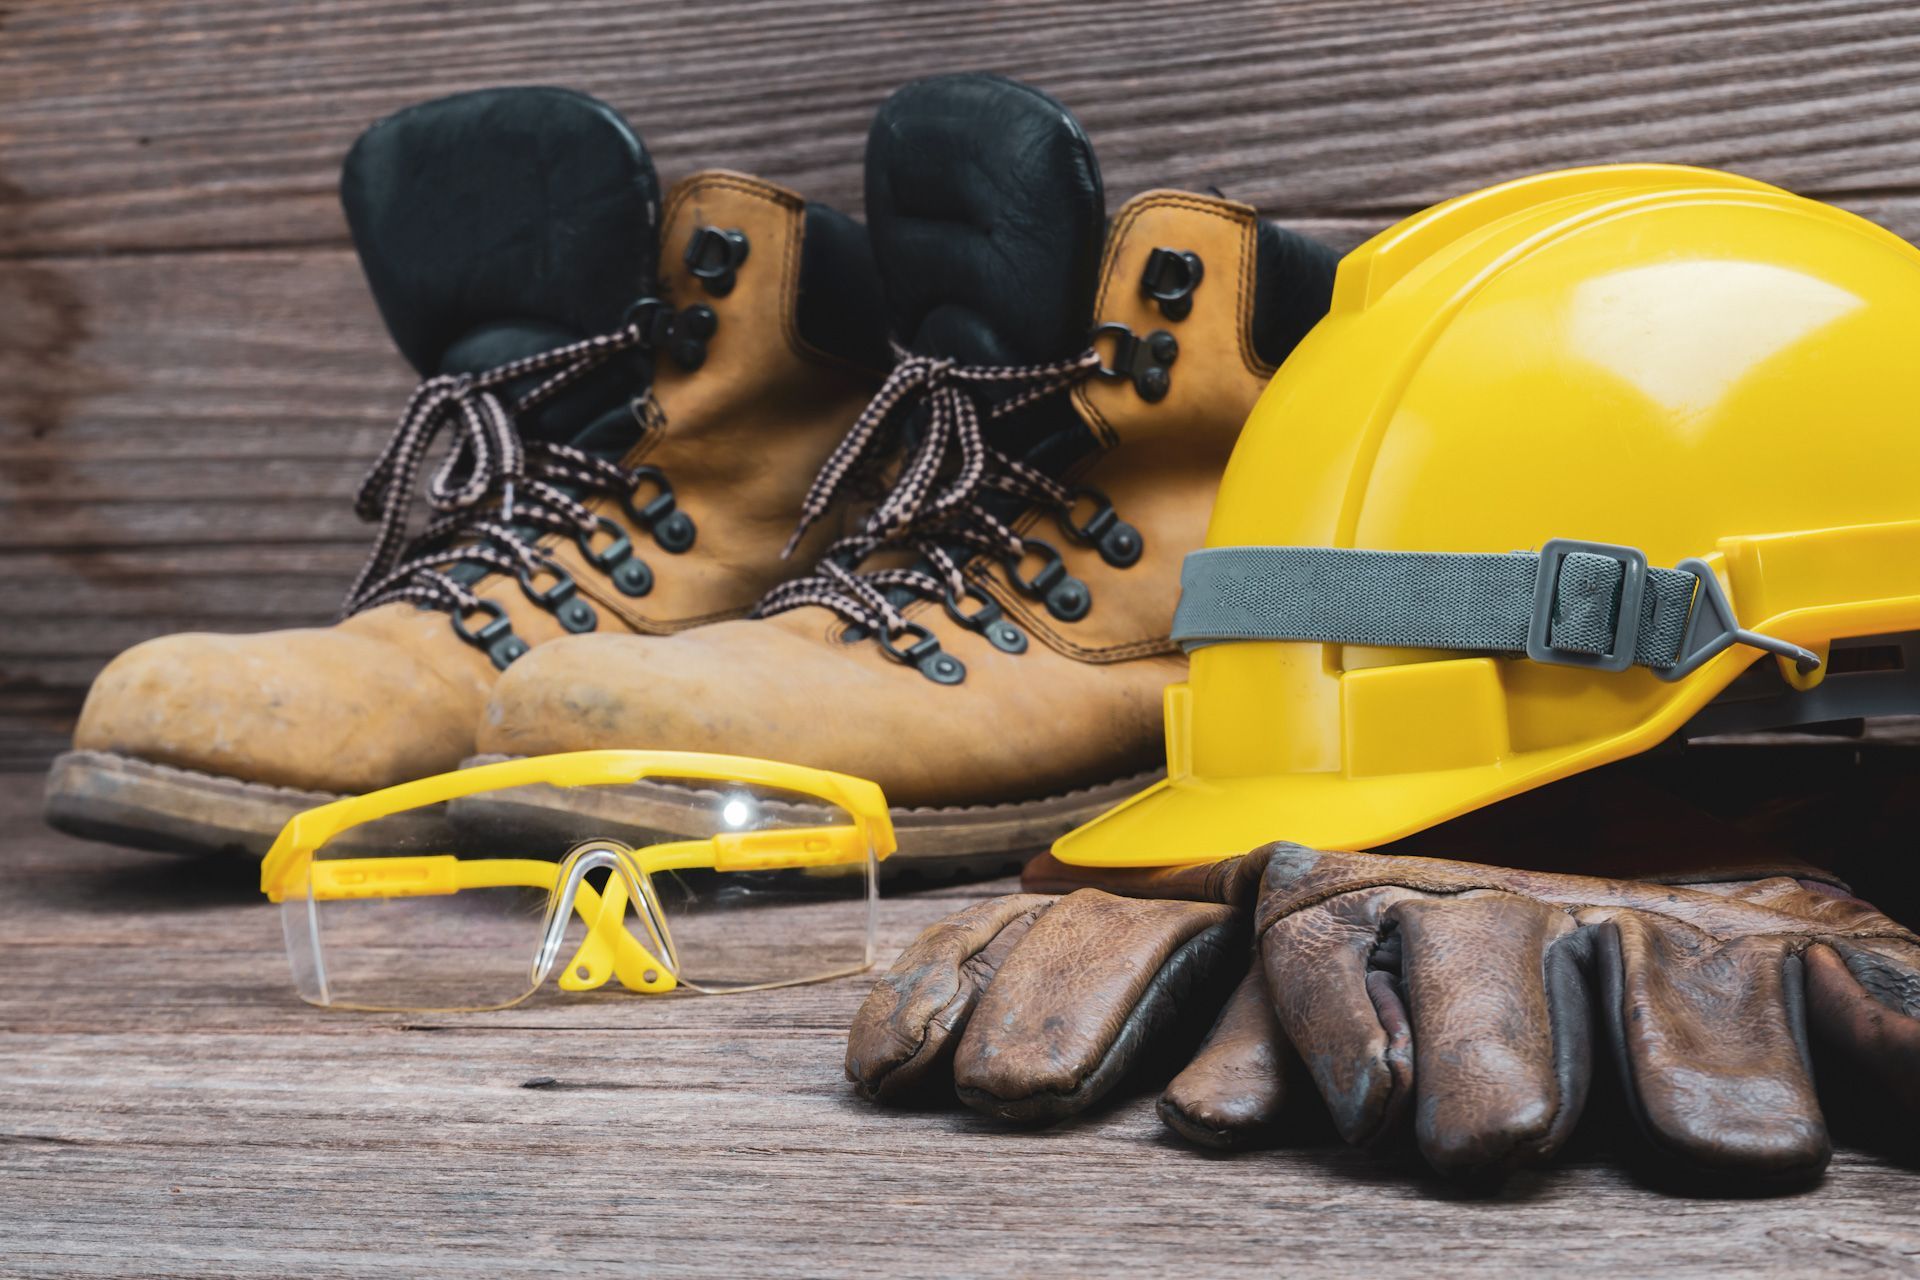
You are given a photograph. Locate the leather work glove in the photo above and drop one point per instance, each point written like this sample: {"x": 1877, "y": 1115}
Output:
{"x": 1476, "y": 998}
{"x": 1462, "y": 1001}
{"x": 1032, "y": 1007}
{"x": 1121, "y": 978}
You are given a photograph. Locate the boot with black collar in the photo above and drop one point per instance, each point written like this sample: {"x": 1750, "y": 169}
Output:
{"x": 991, "y": 645}
{"x": 624, "y": 397}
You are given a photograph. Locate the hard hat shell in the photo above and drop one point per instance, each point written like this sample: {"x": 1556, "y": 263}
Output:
{"x": 1679, "y": 360}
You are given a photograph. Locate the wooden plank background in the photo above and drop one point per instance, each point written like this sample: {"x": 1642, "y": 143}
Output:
{"x": 192, "y": 378}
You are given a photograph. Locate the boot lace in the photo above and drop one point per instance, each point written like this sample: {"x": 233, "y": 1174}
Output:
{"x": 494, "y": 489}
{"x": 937, "y": 508}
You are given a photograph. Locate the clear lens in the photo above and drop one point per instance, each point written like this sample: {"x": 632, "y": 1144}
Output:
{"x": 378, "y": 925}
{"x": 733, "y": 929}
{"x": 688, "y": 883}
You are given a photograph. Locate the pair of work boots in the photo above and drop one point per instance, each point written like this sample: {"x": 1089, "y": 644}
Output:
{"x": 995, "y": 418}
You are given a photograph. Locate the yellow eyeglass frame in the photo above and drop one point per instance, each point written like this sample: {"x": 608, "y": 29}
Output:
{"x": 610, "y": 949}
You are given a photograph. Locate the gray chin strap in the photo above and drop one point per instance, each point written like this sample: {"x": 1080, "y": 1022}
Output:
{"x": 1570, "y": 604}
{"x": 1576, "y": 604}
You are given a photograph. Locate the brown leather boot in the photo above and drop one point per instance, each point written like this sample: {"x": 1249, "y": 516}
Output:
{"x": 993, "y": 645}
{"x": 651, "y": 490}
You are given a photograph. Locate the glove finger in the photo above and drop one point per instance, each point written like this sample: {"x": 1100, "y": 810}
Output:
{"x": 1097, "y": 982}
{"x": 1502, "y": 1043}
{"x": 1233, "y": 881}
{"x": 1232, "y": 1093}
{"x": 1875, "y": 1030}
{"x": 1344, "y": 1017}
{"x": 1711, "y": 1044}
{"x": 913, "y": 1017}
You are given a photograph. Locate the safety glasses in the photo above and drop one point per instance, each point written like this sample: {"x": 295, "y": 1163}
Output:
{"x": 747, "y": 874}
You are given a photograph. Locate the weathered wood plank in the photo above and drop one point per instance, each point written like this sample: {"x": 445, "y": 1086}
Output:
{"x": 139, "y": 360}
{"x": 171, "y": 1110}
{"x": 119, "y": 138}
{"x": 36, "y": 718}
{"x": 180, "y": 438}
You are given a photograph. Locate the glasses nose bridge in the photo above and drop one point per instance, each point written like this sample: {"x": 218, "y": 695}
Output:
{"x": 589, "y": 855}
{"x": 610, "y": 948}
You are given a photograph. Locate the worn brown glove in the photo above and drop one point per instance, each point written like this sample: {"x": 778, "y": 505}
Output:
{"x": 1472, "y": 997}
{"x": 1461, "y": 1001}
{"x": 1474, "y": 992}
{"x": 1033, "y": 1008}
{"x": 1465, "y": 1001}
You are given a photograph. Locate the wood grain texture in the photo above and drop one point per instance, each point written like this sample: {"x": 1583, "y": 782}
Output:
{"x": 168, "y": 1108}
{"x": 212, "y": 125}
{"x": 192, "y": 378}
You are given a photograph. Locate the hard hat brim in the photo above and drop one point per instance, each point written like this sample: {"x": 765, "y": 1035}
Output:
{"x": 1188, "y": 820}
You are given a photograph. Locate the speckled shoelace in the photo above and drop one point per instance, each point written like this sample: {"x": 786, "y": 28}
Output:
{"x": 493, "y": 488}
{"x": 935, "y": 508}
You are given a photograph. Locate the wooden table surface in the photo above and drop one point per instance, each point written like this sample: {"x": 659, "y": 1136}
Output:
{"x": 169, "y": 1108}
{"x": 192, "y": 380}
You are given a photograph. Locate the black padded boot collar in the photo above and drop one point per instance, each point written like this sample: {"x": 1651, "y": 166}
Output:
{"x": 841, "y": 310}
{"x": 1293, "y": 287}
{"x": 498, "y": 223}
{"x": 987, "y": 215}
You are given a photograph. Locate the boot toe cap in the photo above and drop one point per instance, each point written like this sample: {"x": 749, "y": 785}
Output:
{"x": 321, "y": 710}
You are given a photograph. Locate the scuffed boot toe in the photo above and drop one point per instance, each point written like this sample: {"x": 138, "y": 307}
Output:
{"x": 315, "y": 710}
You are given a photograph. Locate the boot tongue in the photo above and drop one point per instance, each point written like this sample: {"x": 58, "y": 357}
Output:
{"x": 987, "y": 216}
{"x": 498, "y": 224}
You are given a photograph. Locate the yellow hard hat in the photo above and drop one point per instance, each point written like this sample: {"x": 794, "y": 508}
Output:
{"x": 1575, "y": 465}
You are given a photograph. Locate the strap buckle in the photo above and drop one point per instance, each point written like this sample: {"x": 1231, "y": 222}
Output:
{"x": 1625, "y": 639}
{"x": 1711, "y": 626}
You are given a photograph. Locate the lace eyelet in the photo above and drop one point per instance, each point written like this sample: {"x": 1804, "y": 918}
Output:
{"x": 988, "y": 620}
{"x": 672, "y": 528}
{"x": 714, "y": 255}
{"x": 496, "y": 638}
{"x": 628, "y": 571}
{"x": 925, "y": 654}
{"x": 616, "y": 552}
{"x": 633, "y": 578}
{"x": 692, "y": 329}
{"x": 497, "y": 621}
{"x": 1147, "y": 362}
{"x": 652, "y": 317}
{"x": 1066, "y": 597}
{"x": 1118, "y": 542}
{"x": 1170, "y": 278}
{"x": 562, "y": 599}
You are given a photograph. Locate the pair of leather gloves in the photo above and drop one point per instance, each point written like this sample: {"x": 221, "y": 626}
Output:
{"x": 1468, "y": 1002}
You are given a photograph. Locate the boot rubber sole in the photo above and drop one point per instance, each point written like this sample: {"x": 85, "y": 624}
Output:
{"x": 99, "y": 795}
{"x": 935, "y": 843}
